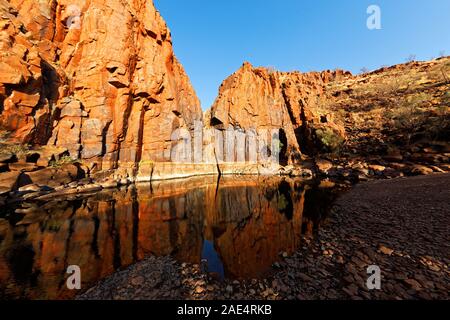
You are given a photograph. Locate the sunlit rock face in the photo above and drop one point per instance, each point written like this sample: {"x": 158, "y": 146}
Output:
{"x": 263, "y": 100}
{"x": 247, "y": 221}
{"x": 97, "y": 77}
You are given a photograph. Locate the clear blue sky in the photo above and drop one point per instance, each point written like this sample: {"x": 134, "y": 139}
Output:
{"x": 212, "y": 38}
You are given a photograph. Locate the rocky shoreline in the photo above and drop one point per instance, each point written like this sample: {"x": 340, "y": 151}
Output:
{"x": 401, "y": 225}
{"x": 47, "y": 173}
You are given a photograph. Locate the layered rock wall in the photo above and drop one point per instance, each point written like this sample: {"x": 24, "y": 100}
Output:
{"x": 97, "y": 77}
{"x": 98, "y": 80}
{"x": 263, "y": 100}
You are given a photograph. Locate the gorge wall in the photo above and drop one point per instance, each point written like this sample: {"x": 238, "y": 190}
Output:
{"x": 390, "y": 115}
{"x": 260, "y": 99}
{"x": 96, "y": 77}
{"x": 98, "y": 81}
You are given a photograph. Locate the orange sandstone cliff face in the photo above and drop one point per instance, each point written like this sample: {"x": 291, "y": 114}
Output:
{"x": 260, "y": 99}
{"x": 396, "y": 113}
{"x": 97, "y": 77}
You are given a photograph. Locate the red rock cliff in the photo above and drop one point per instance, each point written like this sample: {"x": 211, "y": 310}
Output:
{"x": 97, "y": 77}
{"x": 258, "y": 98}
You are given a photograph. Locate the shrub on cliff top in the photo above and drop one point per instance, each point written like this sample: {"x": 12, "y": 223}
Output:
{"x": 330, "y": 140}
{"x": 410, "y": 115}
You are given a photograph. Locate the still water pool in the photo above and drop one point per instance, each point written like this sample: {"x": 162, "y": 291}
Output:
{"x": 234, "y": 227}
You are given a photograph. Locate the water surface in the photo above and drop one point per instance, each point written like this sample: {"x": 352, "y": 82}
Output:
{"x": 235, "y": 227}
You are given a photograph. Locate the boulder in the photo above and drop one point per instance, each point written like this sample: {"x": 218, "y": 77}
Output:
{"x": 418, "y": 169}
{"x": 7, "y": 157}
{"x": 22, "y": 166}
{"x": 89, "y": 188}
{"x": 24, "y": 99}
{"x": 30, "y": 188}
{"x": 385, "y": 250}
{"x": 324, "y": 166}
{"x": 376, "y": 168}
{"x": 42, "y": 177}
{"x": 54, "y": 177}
{"x": 14, "y": 70}
{"x": 48, "y": 154}
{"x": 394, "y": 157}
{"x": 13, "y": 180}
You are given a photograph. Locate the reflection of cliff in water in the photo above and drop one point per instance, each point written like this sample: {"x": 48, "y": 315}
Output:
{"x": 240, "y": 226}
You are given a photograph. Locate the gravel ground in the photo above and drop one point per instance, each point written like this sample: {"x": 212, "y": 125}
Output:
{"x": 401, "y": 225}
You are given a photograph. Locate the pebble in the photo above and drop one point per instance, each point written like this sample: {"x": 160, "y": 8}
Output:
{"x": 199, "y": 290}
{"x": 385, "y": 250}
{"x": 137, "y": 281}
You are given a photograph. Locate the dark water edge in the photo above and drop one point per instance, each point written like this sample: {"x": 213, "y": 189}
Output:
{"x": 236, "y": 228}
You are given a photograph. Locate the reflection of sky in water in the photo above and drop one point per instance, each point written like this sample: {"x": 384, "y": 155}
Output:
{"x": 214, "y": 263}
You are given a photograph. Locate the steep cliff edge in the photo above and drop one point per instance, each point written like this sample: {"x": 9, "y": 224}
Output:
{"x": 96, "y": 77}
